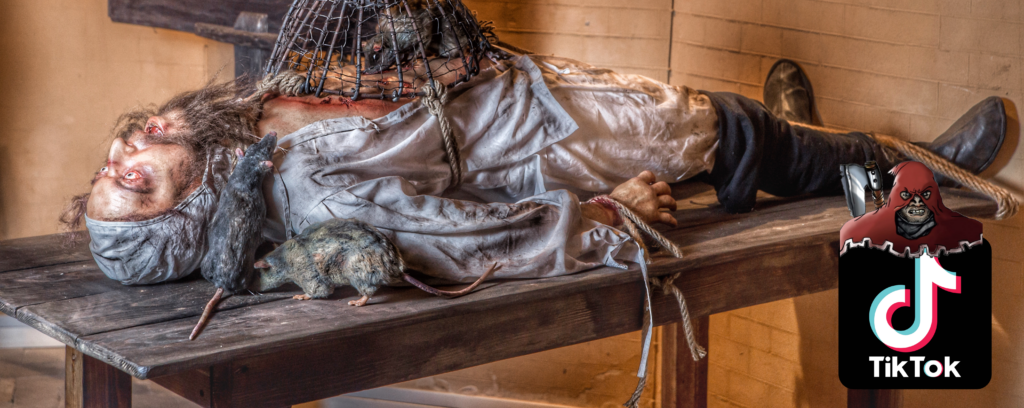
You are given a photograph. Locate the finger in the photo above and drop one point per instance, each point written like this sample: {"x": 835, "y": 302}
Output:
{"x": 661, "y": 188}
{"x": 647, "y": 177}
{"x": 665, "y": 201}
{"x": 666, "y": 218}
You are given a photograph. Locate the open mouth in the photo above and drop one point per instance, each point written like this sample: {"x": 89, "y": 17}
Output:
{"x": 916, "y": 211}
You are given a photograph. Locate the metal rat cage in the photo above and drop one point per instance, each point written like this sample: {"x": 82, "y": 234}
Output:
{"x": 378, "y": 49}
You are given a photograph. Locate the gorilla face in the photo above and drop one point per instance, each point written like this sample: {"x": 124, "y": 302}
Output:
{"x": 916, "y": 212}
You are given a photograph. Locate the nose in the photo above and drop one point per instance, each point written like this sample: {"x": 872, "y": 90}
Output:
{"x": 119, "y": 152}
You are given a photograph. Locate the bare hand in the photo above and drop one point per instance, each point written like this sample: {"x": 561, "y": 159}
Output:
{"x": 646, "y": 198}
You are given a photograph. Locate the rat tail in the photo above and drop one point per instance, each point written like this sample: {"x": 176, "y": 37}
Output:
{"x": 446, "y": 293}
{"x": 206, "y": 313}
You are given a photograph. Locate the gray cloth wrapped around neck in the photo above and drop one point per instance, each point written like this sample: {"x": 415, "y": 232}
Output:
{"x": 169, "y": 246}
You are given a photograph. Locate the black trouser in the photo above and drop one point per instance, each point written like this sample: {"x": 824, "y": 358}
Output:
{"x": 757, "y": 151}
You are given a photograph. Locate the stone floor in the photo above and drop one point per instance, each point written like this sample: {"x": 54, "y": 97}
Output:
{"x": 34, "y": 378}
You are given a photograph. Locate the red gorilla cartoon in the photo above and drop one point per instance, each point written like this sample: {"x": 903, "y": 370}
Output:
{"x": 913, "y": 220}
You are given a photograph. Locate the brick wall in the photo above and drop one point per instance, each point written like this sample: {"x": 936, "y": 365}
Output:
{"x": 908, "y": 68}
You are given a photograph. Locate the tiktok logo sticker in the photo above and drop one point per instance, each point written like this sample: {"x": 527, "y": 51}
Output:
{"x": 915, "y": 291}
{"x": 929, "y": 277}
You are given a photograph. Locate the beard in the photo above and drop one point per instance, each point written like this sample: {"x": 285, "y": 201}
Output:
{"x": 909, "y": 230}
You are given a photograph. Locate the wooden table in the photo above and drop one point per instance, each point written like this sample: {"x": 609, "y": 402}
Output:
{"x": 270, "y": 350}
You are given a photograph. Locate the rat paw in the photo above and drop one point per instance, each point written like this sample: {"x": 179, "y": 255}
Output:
{"x": 301, "y": 297}
{"x": 359, "y": 302}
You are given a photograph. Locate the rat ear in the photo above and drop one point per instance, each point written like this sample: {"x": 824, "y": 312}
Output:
{"x": 261, "y": 264}
{"x": 239, "y": 152}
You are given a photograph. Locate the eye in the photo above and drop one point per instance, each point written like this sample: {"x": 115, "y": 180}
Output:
{"x": 132, "y": 175}
{"x": 103, "y": 169}
{"x": 904, "y": 195}
{"x": 926, "y": 194}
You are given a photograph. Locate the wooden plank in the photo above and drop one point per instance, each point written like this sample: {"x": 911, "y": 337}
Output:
{"x": 261, "y": 41}
{"x": 128, "y": 306}
{"x": 182, "y": 15}
{"x": 46, "y": 250}
{"x": 52, "y": 283}
{"x": 561, "y": 302}
{"x": 90, "y": 383}
{"x": 874, "y": 398}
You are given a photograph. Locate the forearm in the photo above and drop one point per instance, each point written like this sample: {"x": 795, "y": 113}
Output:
{"x": 601, "y": 212}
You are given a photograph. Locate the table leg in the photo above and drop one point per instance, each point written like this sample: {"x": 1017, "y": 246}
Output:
{"x": 90, "y": 383}
{"x": 874, "y": 398}
{"x": 691, "y": 376}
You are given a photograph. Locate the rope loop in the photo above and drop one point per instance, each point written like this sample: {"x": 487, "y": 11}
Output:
{"x": 633, "y": 225}
{"x": 435, "y": 96}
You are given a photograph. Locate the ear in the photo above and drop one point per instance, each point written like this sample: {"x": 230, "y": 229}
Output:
{"x": 239, "y": 152}
{"x": 268, "y": 164}
{"x": 261, "y": 264}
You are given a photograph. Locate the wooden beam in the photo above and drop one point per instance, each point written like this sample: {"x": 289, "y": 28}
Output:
{"x": 193, "y": 385}
{"x": 231, "y": 35}
{"x": 182, "y": 15}
{"x": 691, "y": 377}
{"x": 90, "y": 383}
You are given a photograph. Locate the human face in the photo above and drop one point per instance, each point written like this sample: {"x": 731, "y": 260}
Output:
{"x": 145, "y": 175}
{"x": 916, "y": 212}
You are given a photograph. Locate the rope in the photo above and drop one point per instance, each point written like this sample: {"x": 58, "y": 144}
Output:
{"x": 667, "y": 285}
{"x": 287, "y": 83}
{"x": 633, "y": 224}
{"x": 1007, "y": 205}
{"x": 435, "y": 95}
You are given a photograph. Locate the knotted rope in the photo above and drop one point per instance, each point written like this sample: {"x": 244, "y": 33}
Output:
{"x": 1006, "y": 204}
{"x": 633, "y": 224}
{"x": 287, "y": 83}
{"x": 435, "y": 95}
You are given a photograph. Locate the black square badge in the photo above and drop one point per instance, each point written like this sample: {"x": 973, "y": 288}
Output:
{"x": 915, "y": 322}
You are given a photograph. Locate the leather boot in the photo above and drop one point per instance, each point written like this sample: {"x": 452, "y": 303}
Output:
{"x": 974, "y": 140}
{"x": 788, "y": 94}
{"x": 971, "y": 143}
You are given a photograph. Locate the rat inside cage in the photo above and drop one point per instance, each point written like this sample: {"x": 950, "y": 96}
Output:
{"x": 378, "y": 49}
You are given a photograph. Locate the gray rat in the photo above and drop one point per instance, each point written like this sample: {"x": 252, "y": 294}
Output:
{"x": 341, "y": 252}
{"x": 397, "y": 40}
{"x": 237, "y": 227}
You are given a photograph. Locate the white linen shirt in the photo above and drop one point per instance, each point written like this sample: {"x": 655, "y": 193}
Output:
{"x": 534, "y": 133}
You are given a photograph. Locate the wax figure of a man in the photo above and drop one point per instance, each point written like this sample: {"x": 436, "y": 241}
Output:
{"x": 537, "y": 134}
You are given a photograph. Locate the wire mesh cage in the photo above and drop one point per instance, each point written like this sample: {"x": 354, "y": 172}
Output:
{"x": 378, "y": 49}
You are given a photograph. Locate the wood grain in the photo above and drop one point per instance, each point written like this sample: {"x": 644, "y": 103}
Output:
{"x": 90, "y": 383}
{"x": 46, "y": 250}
